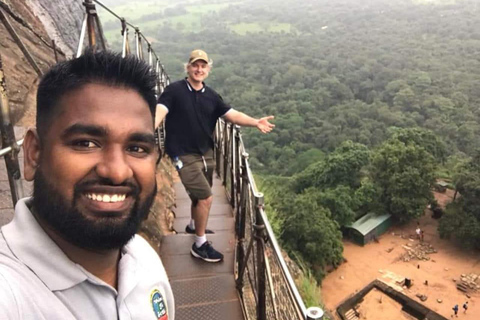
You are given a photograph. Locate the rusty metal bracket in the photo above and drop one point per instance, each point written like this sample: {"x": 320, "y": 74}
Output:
{"x": 8, "y": 140}
{"x": 19, "y": 42}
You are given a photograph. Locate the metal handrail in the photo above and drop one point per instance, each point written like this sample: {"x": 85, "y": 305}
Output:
{"x": 6, "y": 150}
{"x": 140, "y": 35}
{"x": 260, "y": 267}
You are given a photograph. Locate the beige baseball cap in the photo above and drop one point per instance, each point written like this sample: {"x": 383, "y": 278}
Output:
{"x": 198, "y": 55}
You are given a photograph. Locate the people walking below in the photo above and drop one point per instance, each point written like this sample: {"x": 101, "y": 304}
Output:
{"x": 455, "y": 310}
{"x": 418, "y": 231}
{"x": 192, "y": 109}
{"x": 465, "y": 307}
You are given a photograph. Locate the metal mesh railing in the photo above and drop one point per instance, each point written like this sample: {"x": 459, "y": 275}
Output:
{"x": 266, "y": 287}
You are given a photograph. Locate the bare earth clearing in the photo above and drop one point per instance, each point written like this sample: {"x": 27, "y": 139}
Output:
{"x": 372, "y": 309}
{"x": 383, "y": 260}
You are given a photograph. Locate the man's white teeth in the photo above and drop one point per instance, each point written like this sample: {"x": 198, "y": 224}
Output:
{"x": 106, "y": 197}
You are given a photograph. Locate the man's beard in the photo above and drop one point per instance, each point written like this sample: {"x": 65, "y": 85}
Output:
{"x": 104, "y": 233}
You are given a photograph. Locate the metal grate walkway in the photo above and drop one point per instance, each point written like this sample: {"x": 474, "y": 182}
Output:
{"x": 202, "y": 290}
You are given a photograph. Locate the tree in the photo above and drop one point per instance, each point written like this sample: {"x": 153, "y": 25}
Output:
{"x": 366, "y": 198}
{"x": 462, "y": 218}
{"x": 423, "y": 138}
{"x": 340, "y": 201}
{"x": 404, "y": 174}
{"x": 341, "y": 167}
{"x": 309, "y": 231}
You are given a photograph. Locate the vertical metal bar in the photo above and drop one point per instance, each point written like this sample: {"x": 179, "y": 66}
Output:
{"x": 158, "y": 89}
{"x": 8, "y": 140}
{"x": 232, "y": 166}
{"x": 138, "y": 43}
{"x": 225, "y": 154}
{"x": 90, "y": 23}
{"x": 219, "y": 148}
{"x": 261, "y": 278}
{"x": 125, "y": 45}
{"x": 82, "y": 36}
{"x": 137, "y": 40}
{"x": 100, "y": 32}
{"x": 238, "y": 154}
{"x": 19, "y": 42}
{"x": 215, "y": 144}
{"x": 271, "y": 285}
{"x": 240, "y": 221}
{"x": 150, "y": 56}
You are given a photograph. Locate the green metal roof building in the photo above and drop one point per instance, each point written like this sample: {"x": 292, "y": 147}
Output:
{"x": 369, "y": 227}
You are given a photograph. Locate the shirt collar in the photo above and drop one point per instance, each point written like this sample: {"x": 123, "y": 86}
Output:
{"x": 33, "y": 247}
{"x": 192, "y": 89}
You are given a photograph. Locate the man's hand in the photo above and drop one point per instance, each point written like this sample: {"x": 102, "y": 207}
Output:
{"x": 264, "y": 125}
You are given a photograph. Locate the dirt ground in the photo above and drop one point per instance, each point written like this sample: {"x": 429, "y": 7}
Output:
{"x": 376, "y": 304}
{"x": 382, "y": 260}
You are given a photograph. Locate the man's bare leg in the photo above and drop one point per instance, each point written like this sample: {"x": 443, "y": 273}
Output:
{"x": 201, "y": 248}
{"x": 200, "y": 214}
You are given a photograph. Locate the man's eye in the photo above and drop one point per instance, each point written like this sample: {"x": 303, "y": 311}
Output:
{"x": 84, "y": 144}
{"x": 138, "y": 149}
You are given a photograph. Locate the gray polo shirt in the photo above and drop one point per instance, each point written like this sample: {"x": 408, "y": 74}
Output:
{"x": 38, "y": 281}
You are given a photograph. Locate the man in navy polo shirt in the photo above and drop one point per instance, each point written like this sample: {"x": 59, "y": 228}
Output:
{"x": 192, "y": 110}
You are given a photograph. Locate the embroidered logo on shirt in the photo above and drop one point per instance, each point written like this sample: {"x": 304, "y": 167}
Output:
{"x": 159, "y": 305}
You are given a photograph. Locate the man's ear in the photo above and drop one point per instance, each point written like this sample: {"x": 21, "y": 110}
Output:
{"x": 31, "y": 151}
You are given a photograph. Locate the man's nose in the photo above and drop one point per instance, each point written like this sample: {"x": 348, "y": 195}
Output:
{"x": 114, "y": 165}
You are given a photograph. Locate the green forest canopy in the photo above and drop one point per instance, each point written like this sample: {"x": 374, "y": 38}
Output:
{"x": 342, "y": 70}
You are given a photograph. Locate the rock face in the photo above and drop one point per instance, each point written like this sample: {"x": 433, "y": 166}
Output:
{"x": 21, "y": 79}
{"x": 62, "y": 19}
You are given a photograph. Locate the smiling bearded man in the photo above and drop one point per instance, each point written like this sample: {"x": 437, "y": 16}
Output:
{"x": 71, "y": 251}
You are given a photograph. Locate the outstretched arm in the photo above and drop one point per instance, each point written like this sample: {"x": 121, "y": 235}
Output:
{"x": 160, "y": 114}
{"x": 240, "y": 118}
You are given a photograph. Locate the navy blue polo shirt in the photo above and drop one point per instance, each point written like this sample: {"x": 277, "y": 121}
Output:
{"x": 191, "y": 118}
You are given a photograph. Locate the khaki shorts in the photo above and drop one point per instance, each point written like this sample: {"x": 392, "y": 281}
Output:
{"x": 197, "y": 174}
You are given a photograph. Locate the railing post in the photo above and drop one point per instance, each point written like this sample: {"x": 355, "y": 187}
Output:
{"x": 225, "y": 154}
{"x": 158, "y": 88}
{"x": 125, "y": 45}
{"x": 8, "y": 140}
{"x": 260, "y": 255}
{"x": 238, "y": 154}
{"x": 82, "y": 36}
{"x": 91, "y": 13}
{"x": 233, "y": 168}
{"x": 314, "y": 313}
{"x": 138, "y": 43}
{"x": 100, "y": 31}
{"x": 240, "y": 220}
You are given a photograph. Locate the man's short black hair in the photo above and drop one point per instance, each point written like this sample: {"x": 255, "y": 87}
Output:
{"x": 102, "y": 68}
